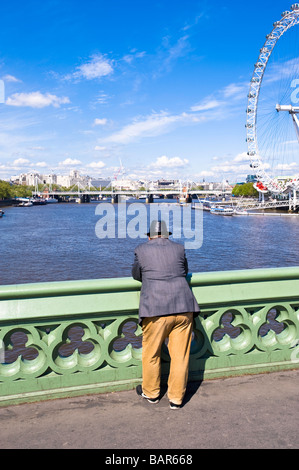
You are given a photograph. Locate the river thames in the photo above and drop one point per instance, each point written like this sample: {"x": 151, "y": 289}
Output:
{"x": 58, "y": 242}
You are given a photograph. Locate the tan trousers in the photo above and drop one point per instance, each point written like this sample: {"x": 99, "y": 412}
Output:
{"x": 178, "y": 328}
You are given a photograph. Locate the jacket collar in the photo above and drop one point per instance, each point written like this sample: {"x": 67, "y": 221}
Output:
{"x": 159, "y": 240}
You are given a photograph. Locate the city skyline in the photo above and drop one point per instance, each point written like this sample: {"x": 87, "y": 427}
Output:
{"x": 161, "y": 86}
{"x": 75, "y": 177}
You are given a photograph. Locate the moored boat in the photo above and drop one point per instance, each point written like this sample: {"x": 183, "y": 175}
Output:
{"x": 51, "y": 200}
{"x": 38, "y": 202}
{"x": 240, "y": 212}
{"x": 219, "y": 210}
{"x": 25, "y": 204}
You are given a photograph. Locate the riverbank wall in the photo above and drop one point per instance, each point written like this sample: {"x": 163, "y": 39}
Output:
{"x": 7, "y": 202}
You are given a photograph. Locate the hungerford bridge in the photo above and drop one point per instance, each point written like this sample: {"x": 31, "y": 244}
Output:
{"x": 85, "y": 195}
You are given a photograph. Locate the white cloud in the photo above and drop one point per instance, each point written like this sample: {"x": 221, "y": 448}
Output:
{"x": 21, "y": 162}
{"x": 206, "y": 105}
{"x": 165, "y": 162}
{"x": 101, "y": 98}
{"x": 223, "y": 98}
{"x": 36, "y": 99}
{"x": 96, "y": 165}
{"x": 238, "y": 166}
{"x": 37, "y": 147}
{"x": 10, "y": 78}
{"x": 230, "y": 168}
{"x": 242, "y": 157}
{"x": 235, "y": 90}
{"x": 206, "y": 173}
{"x": 280, "y": 70}
{"x": 286, "y": 166}
{"x": 133, "y": 55}
{"x": 265, "y": 166}
{"x": 194, "y": 23}
{"x": 169, "y": 53}
{"x": 70, "y": 162}
{"x": 100, "y": 122}
{"x": 150, "y": 126}
{"x": 97, "y": 67}
{"x": 235, "y": 167}
{"x": 179, "y": 49}
{"x": 41, "y": 164}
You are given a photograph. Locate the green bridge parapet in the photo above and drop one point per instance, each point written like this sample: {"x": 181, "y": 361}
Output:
{"x": 62, "y": 339}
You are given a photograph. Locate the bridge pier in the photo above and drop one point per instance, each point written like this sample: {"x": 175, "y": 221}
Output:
{"x": 85, "y": 198}
{"x": 185, "y": 198}
{"x": 149, "y": 199}
{"x": 114, "y": 199}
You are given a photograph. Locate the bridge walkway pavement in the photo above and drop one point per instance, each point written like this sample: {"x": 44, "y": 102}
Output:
{"x": 247, "y": 412}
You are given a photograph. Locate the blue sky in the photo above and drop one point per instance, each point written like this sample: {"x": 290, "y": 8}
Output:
{"x": 160, "y": 85}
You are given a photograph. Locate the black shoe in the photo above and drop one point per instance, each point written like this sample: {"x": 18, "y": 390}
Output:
{"x": 143, "y": 395}
{"x": 173, "y": 406}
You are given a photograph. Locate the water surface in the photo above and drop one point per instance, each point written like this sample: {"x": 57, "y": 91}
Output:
{"x": 58, "y": 242}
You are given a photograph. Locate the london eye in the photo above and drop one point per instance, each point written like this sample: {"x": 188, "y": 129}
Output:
{"x": 272, "y": 124}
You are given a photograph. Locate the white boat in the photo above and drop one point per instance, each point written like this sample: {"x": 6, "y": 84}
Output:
{"x": 22, "y": 201}
{"x": 38, "y": 201}
{"x": 240, "y": 212}
{"x": 25, "y": 204}
{"x": 222, "y": 210}
{"x": 51, "y": 200}
{"x": 1, "y": 213}
{"x": 207, "y": 205}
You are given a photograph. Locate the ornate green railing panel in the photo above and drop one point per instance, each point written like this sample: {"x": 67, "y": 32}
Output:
{"x": 76, "y": 337}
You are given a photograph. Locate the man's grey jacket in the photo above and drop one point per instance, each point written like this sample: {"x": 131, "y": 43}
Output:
{"x": 161, "y": 266}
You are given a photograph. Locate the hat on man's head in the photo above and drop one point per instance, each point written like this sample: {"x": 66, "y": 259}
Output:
{"x": 158, "y": 227}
